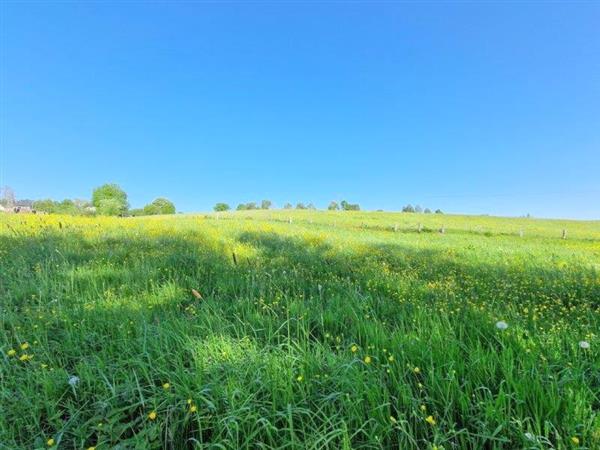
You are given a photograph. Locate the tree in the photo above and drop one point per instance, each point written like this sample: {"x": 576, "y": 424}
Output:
{"x": 265, "y": 204}
{"x": 418, "y": 209}
{"x": 47, "y": 206}
{"x": 311, "y": 206}
{"x": 221, "y": 207}
{"x": 110, "y": 207}
{"x": 427, "y": 211}
{"x": 408, "y": 208}
{"x": 8, "y": 197}
{"x": 300, "y": 206}
{"x": 287, "y": 206}
{"x": 110, "y": 197}
{"x": 160, "y": 206}
{"x": 349, "y": 206}
{"x": 333, "y": 206}
{"x": 251, "y": 205}
{"x": 438, "y": 211}
{"x": 241, "y": 207}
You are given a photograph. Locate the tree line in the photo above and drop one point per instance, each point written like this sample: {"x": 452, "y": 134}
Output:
{"x": 333, "y": 206}
{"x": 107, "y": 200}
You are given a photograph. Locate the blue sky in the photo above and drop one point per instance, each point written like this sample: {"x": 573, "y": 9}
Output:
{"x": 473, "y": 108}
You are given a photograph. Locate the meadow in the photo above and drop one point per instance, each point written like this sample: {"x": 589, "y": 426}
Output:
{"x": 299, "y": 330}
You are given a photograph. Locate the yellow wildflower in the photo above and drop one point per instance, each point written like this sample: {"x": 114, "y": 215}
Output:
{"x": 193, "y": 408}
{"x": 12, "y": 352}
{"x": 430, "y": 420}
{"x": 152, "y": 415}
{"x": 575, "y": 440}
{"x": 24, "y": 346}
{"x": 50, "y": 442}
{"x": 166, "y": 386}
{"x": 368, "y": 360}
{"x": 416, "y": 370}
{"x": 354, "y": 348}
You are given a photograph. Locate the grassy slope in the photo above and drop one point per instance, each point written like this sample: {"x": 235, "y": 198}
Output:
{"x": 267, "y": 355}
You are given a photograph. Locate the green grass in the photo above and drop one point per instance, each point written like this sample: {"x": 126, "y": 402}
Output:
{"x": 266, "y": 356}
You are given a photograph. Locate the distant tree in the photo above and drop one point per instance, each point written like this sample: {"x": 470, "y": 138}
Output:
{"x": 349, "y": 206}
{"x": 251, "y": 205}
{"x": 427, "y": 211}
{"x": 408, "y": 208}
{"x": 241, "y": 207}
{"x": 110, "y": 199}
{"x": 300, "y": 206}
{"x": 287, "y": 206}
{"x": 159, "y": 206}
{"x": 137, "y": 212}
{"x": 24, "y": 202}
{"x": 418, "y": 209}
{"x": 438, "y": 211}
{"x": 47, "y": 206}
{"x": 333, "y": 206}
{"x": 265, "y": 204}
{"x": 8, "y": 197}
{"x": 110, "y": 207}
{"x": 221, "y": 207}
{"x": 311, "y": 206}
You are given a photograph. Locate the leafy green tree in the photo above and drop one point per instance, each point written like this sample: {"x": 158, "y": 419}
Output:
{"x": 311, "y": 206}
{"x": 251, "y": 205}
{"x": 241, "y": 207}
{"x": 300, "y": 206}
{"x": 349, "y": 206}
{"x": 287, "y": 206}
{"x": 221, "y": 207}
{"x": 110, "y": 207}
{"x": 427, "y": 211}
{"x": 160, "y": 206}
{"x": 265, "y": 204}
{"x": 47, "y": 206}
{"x": 333, "y": 206}
{"x": 408, "y": 209}
{"x": 110, "y": 199}
{"x": 438, "y": 211}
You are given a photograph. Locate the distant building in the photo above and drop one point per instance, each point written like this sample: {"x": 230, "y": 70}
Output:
{"x": 23, "y": 210}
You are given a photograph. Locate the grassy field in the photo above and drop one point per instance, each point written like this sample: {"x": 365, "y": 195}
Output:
{"x": 309, "y": 330}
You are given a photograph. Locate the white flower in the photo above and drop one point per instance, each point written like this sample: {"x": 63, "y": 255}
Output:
{"x": 501, "y": 325}
{"x": 73, "y": 380}
{"x": 584, "y": 345}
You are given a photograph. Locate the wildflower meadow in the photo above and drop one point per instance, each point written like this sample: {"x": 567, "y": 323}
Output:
{"x": 299, "y": 330}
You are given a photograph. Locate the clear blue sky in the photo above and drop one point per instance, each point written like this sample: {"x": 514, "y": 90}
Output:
{"x": 472, "y": 108}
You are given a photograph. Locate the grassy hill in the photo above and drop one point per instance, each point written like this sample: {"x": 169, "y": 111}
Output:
{"x": 307, "y": 330}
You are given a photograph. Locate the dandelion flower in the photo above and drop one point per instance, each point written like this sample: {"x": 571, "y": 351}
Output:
{"x": 50, "y": 442}
{"x": 416, "y": 370}
{"x": 91, "y": 448}
{"x": 423, "y": 408}
{"x": 391, "y": 358}
{"x": 430, "y": 420}
{"x": 299, "y": 378}
{"x": 575, "y": 440}
{"x": 584, "y": 345}
{"x": 12, "y": 352}
{"x": 152, "y": 415}
{"x": 354, "y": 348}
{"x": 501, "y": 325}
{"x": 166, "y": 386}
{"x": 193, "y": 408}
{"x": 189, "y": 401}
{"x": 25, "y": 357}
{"x": 367, "y": 360}
{"x": 24, "y": 346}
